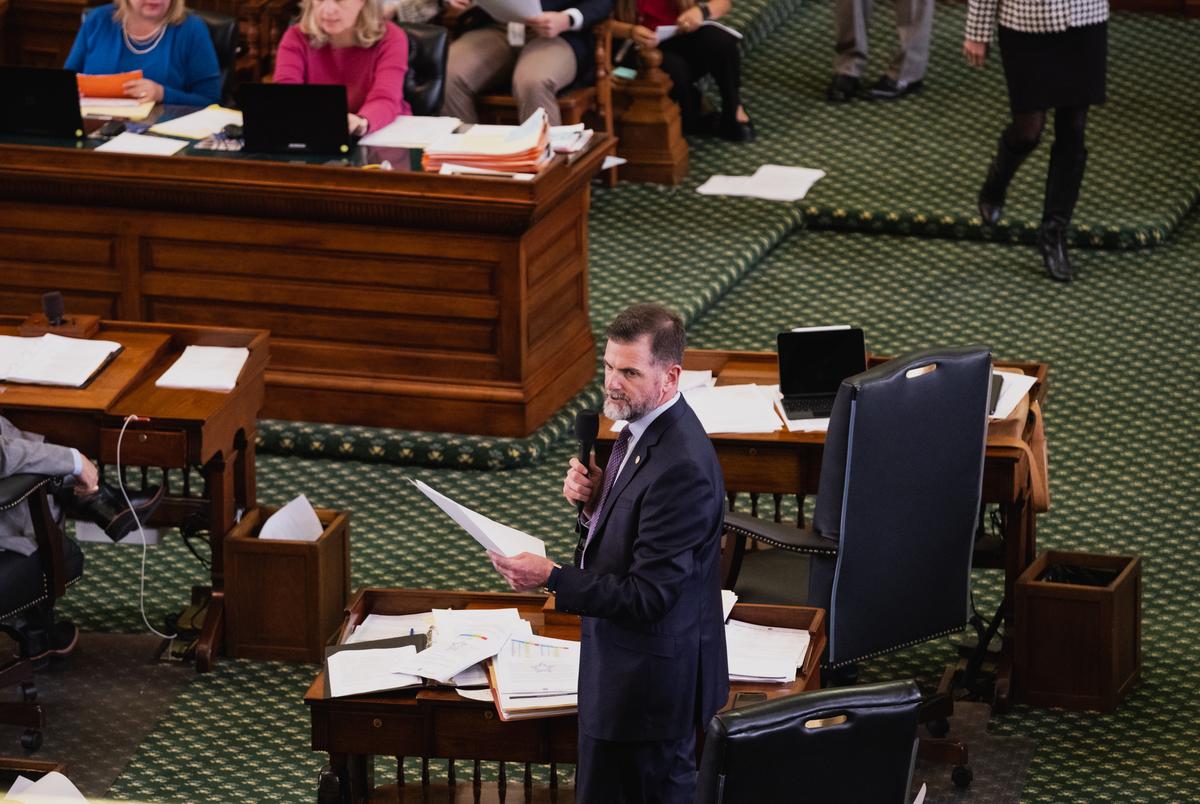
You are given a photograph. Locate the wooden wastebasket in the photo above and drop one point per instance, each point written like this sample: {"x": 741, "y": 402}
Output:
{"x": 1078, "y": 644}
{"x": 284, "y": 599}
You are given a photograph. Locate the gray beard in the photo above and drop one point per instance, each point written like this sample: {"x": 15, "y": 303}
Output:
{"x": 623, "y": 410}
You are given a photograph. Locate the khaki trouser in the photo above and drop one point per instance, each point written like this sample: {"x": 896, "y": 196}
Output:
{"x": 914, "y": 20}
{"x": 482, "y": 59}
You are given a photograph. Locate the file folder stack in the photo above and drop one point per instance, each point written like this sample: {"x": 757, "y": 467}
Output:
{"x": 508, "y": 149}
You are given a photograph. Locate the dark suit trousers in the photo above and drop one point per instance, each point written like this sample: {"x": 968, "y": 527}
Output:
{"x": 689, "y": 57}
{"x": 643, "y": 772}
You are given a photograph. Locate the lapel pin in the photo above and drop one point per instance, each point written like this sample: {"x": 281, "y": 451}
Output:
{"x": 637, "y": 459}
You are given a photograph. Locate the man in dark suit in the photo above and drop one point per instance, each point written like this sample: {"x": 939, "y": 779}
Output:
{"x": 542, "y": 55}
{"x": 653, "y": 663}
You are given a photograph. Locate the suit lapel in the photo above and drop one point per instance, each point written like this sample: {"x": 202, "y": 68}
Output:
{"x": 639, "y": 458}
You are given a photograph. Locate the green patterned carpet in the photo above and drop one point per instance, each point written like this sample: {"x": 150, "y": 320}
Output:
{"x": 1117, "y": 340}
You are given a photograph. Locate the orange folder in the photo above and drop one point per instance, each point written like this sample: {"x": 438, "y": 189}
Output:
{"x": 106, "y": 86}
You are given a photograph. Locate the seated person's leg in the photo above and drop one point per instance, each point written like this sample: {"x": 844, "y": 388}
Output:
{"x": 545, "y": 67}
{"x": 478, "y": 60}
{"x": 715, "y": 52}
{"x": 683, "y": 85}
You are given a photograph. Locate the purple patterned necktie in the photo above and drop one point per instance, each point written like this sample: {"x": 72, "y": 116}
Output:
{"x": 614, "y": 462}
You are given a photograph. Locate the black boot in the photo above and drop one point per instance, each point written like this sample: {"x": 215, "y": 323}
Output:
{"x": 1000, "y": 172}
{"x": 1062, "y": 191}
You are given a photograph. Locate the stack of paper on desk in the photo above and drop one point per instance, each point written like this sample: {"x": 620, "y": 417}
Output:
{"x": 53, "y": 359}
{"x": 491, "y": 534}
{"x": 535, "y": 676}
{"x": 387, "y": 626}
{"x": 734, "y": 408}
{"x": 410, "y": 131}
{"x": 206, "y": 368}
{"x": 520, "y": 148}
{"x": 354, "y": 672}
{"x": 109, "y": 107}
{"x": 569, "y": 139}
{"x": 471, "y": 640}
{"x": 198, "y": 125}
{"x": 764, "y": 653}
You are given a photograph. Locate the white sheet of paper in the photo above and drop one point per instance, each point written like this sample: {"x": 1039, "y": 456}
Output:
{"x": 474, "y": 676}
{"x": 389, "y": 626}
{"x": 201, "y": 124}
{"x": 296, "y": 521}
{"x": 53, "y": 787}
{"x": 728, "y": 599}
{"x": 764, "y": 652}
{"x": 769, "y": 182}
{"x": 448, "y": 169}
{"x": 920, "y": 799}
{"x": 447, "y": 657}
{"x": 52, "y": 359}
{"x": 129, "y": 143}
{"x": 734, "y": 409}
{"x": 611, "y": 161}
{"x": 353, "y": 672}
{"x": 689, "y": 379}
{"x": 510, "y": 10}
{"x": 492, "y": 140}
{"x": 491, "y": 534}
{"x": 483, "y": 696}
{"x": 1014, "y": 389}
{"x": 823, "y": 328}
{"x": 411, "y": 131}
{"x": 19, "y": 784}
{"x": 801, "y": 425}
{"x": 85, "y": 100}
{"x": 536, "y": 666}
{"x": 206, "y": 368}
{"x": 139, "y": 111}
{"x": 664, "y": 32}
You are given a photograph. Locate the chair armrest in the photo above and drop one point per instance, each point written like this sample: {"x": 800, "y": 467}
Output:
{"x": 779, "y": 535}
{"x": 16, "y": 489}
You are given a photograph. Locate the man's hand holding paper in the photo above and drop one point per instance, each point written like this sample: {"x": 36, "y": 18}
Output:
{"x": 523, "y": 572}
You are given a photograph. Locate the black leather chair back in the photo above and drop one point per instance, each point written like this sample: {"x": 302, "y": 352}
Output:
{"x": 224, "y": 33}
{"x": 900, "y": 488}
{"x": 425, "y": 82}
{"x": 28, "y": 581}
{"x": 853, "y": 744}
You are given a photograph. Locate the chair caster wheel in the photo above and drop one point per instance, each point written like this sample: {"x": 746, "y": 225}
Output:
{"x": 938, "y": 728}
{"x": 28, "y": 691}
{"x": 962, "y": 776}
{"x": 31, "y": 740}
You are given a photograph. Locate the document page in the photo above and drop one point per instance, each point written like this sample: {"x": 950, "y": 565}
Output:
{"x": 510, "y": 10}
{"x": 664, "y": 32}
{"x": 354, "y": 672}
{"x": 129, "y": 143}
{"x": 1014, "y": 389}
{"x": 296, "y": 521}
{"x": 138, "y": 111}
{"x": 734, "y": 409}
{"x": 53, "y": 359}
{"x": 491, "y": 534}
{"x": 769, "y": 182}
{"x": 410, "y": 131}
{"x": 389, "y": 626}
{"x": 206, "y": 368}
{"x": 537, "y": 666}
{"x": 447, "y": 657}
{"x": 201, "y": 124}
{"x": 763, "y": 652}
{"x": 53, "y": 787}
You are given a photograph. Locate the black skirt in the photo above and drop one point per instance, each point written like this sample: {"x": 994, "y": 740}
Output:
{"x": 1048, "y": 70}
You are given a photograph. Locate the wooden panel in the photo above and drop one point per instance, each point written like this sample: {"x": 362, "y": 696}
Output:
{"x": 165, "y": 448}
{"x": 39, "y": 33}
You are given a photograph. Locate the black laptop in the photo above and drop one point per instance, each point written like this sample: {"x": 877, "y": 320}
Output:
{"x": 813, "y": 363}
{"x": 294, "y": 118}
{"x": 40, "y": 102}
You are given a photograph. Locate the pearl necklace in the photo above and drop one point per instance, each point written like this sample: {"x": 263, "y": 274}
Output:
{"x": 146, "y": 45}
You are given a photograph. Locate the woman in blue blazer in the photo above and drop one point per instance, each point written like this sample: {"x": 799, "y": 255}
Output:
{"x": 171, "y": 47}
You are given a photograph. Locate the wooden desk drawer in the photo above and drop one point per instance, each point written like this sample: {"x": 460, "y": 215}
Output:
{"x": 166, "y": 448}
{"x": 477, "y": 733}
{"x": 387, "y": 731}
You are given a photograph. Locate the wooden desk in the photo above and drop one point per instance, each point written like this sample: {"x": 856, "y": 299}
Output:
{"x": 783, "y": 463}
{"x": 209, "y": 432}
{"x": 440, "y": 723}
{"x": 394, "y": 298}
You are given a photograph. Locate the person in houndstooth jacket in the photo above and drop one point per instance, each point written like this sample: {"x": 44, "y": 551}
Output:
{"x": 1055, "y": 55}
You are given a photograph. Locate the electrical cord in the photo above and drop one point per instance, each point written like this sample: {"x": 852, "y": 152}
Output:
{"x": 138, "y": 521}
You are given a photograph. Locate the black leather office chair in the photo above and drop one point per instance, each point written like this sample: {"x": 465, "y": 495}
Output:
{"x": 853, "y": 744}
{"x": 224, "y": 33}
{"x": 889, "y": 549}
{"x": 31, "y": 583}
{"x": 425, "y": 82}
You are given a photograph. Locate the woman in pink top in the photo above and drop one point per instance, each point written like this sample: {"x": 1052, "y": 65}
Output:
{"x": 348, "y": 42}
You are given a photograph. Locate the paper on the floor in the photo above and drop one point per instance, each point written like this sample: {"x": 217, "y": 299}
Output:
{"x": 734, "y": 409}
{"x": 389, "y": 626}
{"x": 492, "y": 535}
{"x": 354, "y": 672}
{"x": 728, "y": 599}
{"x": 53, "y": 359}
{"x": 53, "y": 788}
{"x": 763, "y": 652}
{"x": 411, "y": 131}
{"x": 296, "y": 521}
{"x": 1014, "y": 389}
{"x": 206, "y": 368}
{"x": 129, "y": 143}
{"x": 664, "y": 32}
{"x": 201, "y": 124}
{"x": 771, "y": 182}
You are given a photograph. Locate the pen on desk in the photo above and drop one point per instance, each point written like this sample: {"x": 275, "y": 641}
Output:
{"x": 624, "y": 51}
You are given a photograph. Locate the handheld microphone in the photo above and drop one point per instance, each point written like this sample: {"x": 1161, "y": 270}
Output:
{"x": 587, "y": 426}
{"x": 54, "y": 307}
